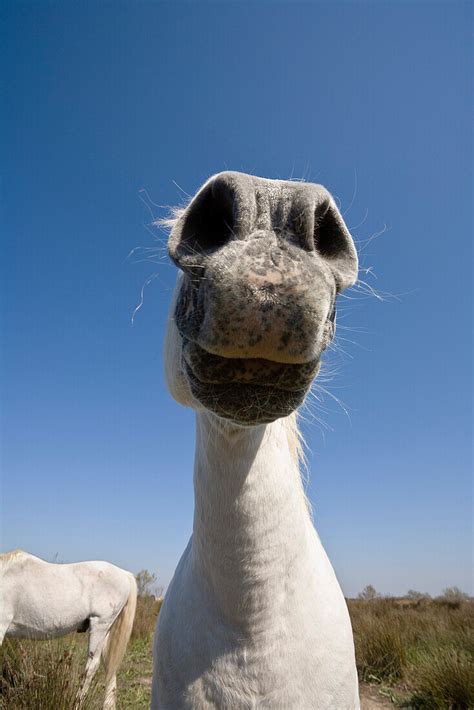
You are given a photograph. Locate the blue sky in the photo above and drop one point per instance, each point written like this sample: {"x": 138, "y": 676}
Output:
{"x": 103, "y": 100}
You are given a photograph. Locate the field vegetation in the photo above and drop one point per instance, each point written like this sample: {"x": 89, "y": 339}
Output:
{"x": 416, "y": 651}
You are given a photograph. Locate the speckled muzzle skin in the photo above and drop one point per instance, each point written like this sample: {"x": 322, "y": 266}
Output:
{"x": 263, "y": 262}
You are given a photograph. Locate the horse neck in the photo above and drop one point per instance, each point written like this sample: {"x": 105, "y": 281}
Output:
{"x": 251, "y": 523}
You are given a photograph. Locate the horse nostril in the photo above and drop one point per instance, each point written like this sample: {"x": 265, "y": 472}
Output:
{"x": 211, "y": 220}
{"x": 330, "y": 238}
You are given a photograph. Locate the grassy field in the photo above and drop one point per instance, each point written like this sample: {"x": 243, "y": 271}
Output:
{"x": 419, "y": 653}
{"x": 416, "y": 654}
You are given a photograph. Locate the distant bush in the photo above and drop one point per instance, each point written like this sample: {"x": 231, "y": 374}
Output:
{"x": 454, "y": 594}
{"x": 415, "y": 596}
{"x": 452, "y": 597}
{"x": 147, "y": 584}
{"x": 368, "y": 593}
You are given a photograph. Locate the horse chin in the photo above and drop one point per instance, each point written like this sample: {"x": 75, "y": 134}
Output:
{"x": 244, "y": 391}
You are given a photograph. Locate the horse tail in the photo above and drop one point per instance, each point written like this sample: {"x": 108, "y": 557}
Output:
{"x": 119, "y": 633}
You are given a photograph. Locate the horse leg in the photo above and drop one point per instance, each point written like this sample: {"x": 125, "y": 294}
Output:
{"x": 110, "y": 693}
{"x": 5, "y": 621}
{"x": 3, "y": 631}
{"x": 97, "y": 636}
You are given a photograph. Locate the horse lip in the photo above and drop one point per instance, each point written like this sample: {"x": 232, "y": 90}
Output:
{"x": 235, "y": 401}
{"x": 210, "y": 370}
{"x": 240, "y": 383}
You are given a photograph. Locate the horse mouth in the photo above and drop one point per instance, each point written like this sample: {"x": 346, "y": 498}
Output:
{"x": 247, "y": 391}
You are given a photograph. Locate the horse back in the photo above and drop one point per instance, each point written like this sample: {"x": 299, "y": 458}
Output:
{"x": 47, "y": 599}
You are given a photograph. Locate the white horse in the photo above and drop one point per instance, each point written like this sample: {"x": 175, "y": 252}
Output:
{"x": 254, "y": 616}
{"x": 42, "y": 600}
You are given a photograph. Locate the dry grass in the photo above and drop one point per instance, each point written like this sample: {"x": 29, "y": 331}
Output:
{"x": 444, "y": 679}
{"x": 419, "y": 654}
{"x": 421, "y": 650}
{"x": 46, "y": 675}
{"x": 147, "y": 612}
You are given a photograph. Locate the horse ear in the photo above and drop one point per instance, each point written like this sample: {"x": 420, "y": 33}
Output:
{"x": 332, "y": 240}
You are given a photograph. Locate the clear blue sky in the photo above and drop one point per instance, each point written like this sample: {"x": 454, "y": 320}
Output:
{"x": 104, "y": 99}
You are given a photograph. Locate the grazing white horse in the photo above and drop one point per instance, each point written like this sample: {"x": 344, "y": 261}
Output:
{"x": 42, "y": 600}
{"x": 254, "y": 616}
